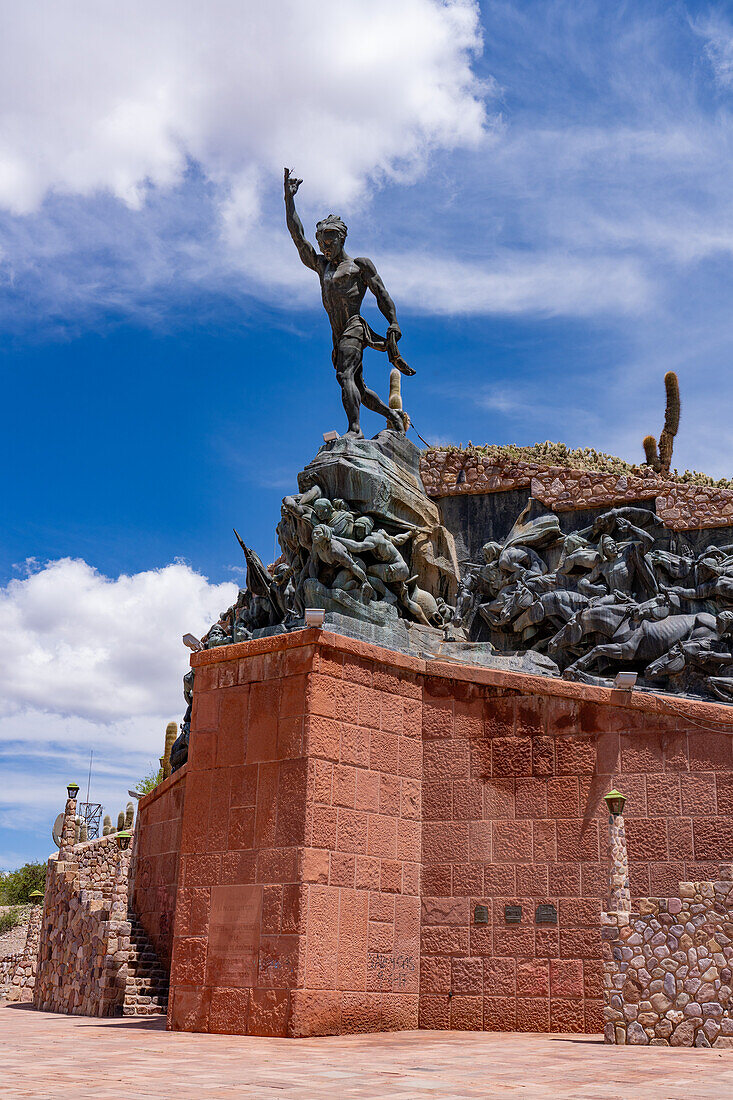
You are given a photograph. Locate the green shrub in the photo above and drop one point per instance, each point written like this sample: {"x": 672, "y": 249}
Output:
{"x": 10, "y": 919}
{"x": 15, "y": 886}
{"x": 149, "y": 782}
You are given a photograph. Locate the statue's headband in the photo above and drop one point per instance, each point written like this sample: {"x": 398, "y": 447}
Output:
{"x": 333, "y": 221}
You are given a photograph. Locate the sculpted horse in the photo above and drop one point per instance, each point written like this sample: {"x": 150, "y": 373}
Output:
{"x": 642, "y": 643}
{"x": 555, "y": 608}
{"x": 605, "y": 617}
{"x": 696, "y": 665}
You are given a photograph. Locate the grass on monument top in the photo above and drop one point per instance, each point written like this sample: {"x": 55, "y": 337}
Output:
{"x": 580, "y": 458}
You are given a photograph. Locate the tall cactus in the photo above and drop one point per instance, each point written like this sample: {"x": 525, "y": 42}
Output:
{"x": 106, "y": 825}
{"x": 129, "y": 815}
{"x": 120, "y": 821}
{"x": 661, "y": 460}
{"x": 171, "y": 732}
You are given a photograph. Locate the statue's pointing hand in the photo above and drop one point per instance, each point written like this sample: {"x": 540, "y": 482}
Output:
{"x": 291, "y": 183}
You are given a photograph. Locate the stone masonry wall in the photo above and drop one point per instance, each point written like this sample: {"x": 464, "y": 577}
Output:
{"x": 298, "y": 909}
{"x": 514, "y": 773}
{"x": 669, "y": 969}
{"x": 96, "y": 861}
{"x": 157, "y": 857}
{"x": 22, "y": 973}
{"x": 679, "y": 505}
{"x": 85, "y": 936}
{"x": 371, "y": 840}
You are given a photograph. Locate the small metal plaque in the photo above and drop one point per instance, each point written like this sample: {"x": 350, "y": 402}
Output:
{"x": 512, "y": 914}
{"x": 481, "y": 914}
{"x": 546, "y": 914}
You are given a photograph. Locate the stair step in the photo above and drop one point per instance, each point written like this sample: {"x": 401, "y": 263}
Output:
{"x": 146, "y": 988}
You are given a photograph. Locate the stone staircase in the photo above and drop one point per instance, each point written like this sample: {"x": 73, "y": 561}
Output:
{"x": 146, "y": 989}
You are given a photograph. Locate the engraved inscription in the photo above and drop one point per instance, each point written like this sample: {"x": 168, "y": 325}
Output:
{"x": 481, "y": 914}
{"x": 391, "y": 969}
{"x": 512, "y": 914}
{"x": 234, "y": 935}
{"x": 546, "y": 914}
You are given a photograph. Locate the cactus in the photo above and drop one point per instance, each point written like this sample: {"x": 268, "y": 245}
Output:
{"x": 661, "y": 460}
{"x": 395, "y": 395}
{"x": 120, "y": 821}
{"x": 106, "y": 825}
{"x": 395, "y": 389}
{"x": 83, "y": 832}
{"x": 171, "y": 732}
{"x": 129, "y": 815}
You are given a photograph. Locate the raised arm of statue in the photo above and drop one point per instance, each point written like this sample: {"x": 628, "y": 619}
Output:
{"x": 378, "y": 289}
{"x": 306, "y": 251}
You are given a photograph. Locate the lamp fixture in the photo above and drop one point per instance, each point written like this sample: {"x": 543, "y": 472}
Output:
{"x": 615, "y": 802}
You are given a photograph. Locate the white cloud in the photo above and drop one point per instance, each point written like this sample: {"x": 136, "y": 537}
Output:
{"x": 124, "y": 97}
{"x": 717, "y": 33}
{"x": 508, "y": 283}
{"x": 77, "y": 644}
{"x": 91, "y": 662}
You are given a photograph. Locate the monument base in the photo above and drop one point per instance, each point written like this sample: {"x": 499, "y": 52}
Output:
{"x": 373, "y": 841}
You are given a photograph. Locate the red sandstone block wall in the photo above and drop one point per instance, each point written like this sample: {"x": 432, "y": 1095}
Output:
{"x": 238, "y": 924}
{"x": 347, "y": 808}
{"x": 362, "y": 869}
{"x": 513, "y": 815}
{"x": 157, "y": 847}
{"x": 298, "y": 908}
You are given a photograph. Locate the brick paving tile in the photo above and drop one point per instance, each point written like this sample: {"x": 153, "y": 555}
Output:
{"x": 44, "y": 1056}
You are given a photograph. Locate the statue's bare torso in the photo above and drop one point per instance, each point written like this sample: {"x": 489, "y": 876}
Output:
{"x": 343, "y": 287}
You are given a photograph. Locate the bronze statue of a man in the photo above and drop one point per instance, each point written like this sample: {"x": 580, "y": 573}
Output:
{"x": 344, "y": 282}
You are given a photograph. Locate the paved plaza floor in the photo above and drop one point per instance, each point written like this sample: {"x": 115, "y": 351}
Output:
{"x": 51, "y": 1056}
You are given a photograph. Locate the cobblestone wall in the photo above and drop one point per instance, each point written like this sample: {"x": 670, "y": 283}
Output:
{"x": 21, "y": 974}
{"x": 85, "y": 936}
{"x": 669, "y": 969}
{"x": 7, "y": 967}
{"x": 97, "y": 860}
{"x": 680, "y": 506}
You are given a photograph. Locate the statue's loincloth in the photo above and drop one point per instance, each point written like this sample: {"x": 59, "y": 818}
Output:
{"x": 358, "y": 329}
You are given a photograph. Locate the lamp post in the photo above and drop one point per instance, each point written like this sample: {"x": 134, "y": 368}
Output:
{"x": 619, "y": 890}
{"x": 68, "y": 833}
{"x": 119, "y": 899}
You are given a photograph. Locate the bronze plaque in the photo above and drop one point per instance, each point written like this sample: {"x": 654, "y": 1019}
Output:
{"x": 234, "y": 935}
{"x": 546, "y": 914}
{"x": 512, "y": 914}
{"x": 481, "y": 914}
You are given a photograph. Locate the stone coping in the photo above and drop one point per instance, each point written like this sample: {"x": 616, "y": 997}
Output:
{"x": 682, "y": 506}
{"x": 649, "y": 703}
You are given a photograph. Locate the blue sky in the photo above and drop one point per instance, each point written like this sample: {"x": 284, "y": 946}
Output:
{"x": 545, "y": 188}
